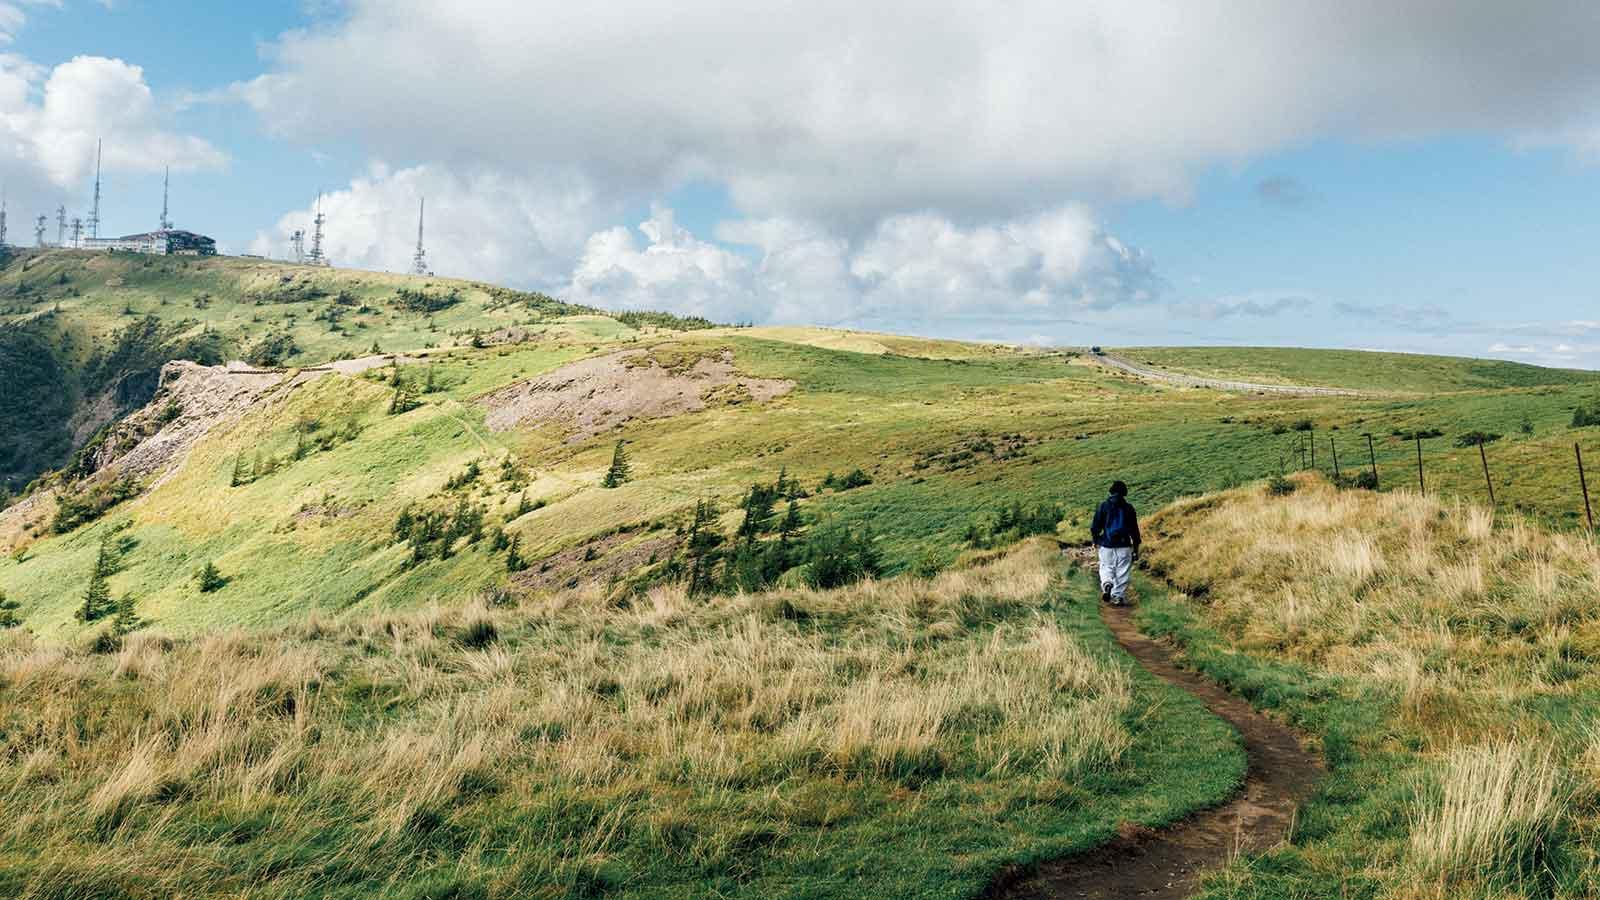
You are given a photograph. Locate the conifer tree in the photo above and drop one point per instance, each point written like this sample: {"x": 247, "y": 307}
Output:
{"x": 8, "y": 612}
{"x": 403, "y": 524}
{"x": 127, "y": 618}
{"x": 619, "y": 471}
{"x": 239, "y": 474}
{"x": 789, "y": 528}
{"x": 97, "y": 597}
{"x": 209, "y": 578}
{"x": 514, "y": 560}
{"x": 701, "y": 548}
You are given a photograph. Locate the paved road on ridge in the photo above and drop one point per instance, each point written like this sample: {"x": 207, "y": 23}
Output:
{"x": 1219, "y": 384}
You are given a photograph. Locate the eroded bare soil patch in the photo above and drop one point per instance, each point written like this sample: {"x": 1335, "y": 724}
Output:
{"x": 593, "y": 396}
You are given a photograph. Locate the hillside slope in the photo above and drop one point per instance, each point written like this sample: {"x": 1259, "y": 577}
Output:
{"x": 1448, "y": 658}
{"x": 82, "y": 335}
{"x": 302, "y": 490}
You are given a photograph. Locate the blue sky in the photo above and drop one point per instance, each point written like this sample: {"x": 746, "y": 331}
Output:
{"x": 1403, "y": 176}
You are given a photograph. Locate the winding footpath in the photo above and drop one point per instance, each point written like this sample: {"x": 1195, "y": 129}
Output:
{"x": 1168, "y": 863}
{"x": 1133, "y": 368}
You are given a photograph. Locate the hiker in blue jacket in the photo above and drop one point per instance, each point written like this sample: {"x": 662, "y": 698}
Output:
{"x": 1115, "y": 531}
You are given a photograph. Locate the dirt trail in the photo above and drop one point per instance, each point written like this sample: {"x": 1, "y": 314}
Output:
{"x": 1168, "y": 863}
{"x": 1219, "y": 384}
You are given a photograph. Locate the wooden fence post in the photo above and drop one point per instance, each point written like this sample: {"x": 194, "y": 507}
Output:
{"x": 1372, "y": 455}
{"x": 1584, "y": 483}
{"x": 1489, "y": 483}
{"x": 1422, "y": 486}
{"x": 1335, "y": 448}
{"x": 1311, "y": 438}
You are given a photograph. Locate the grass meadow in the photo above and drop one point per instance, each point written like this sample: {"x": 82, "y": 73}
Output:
{"x": 916, "y": 734}
{"x": 1447, "y": 657}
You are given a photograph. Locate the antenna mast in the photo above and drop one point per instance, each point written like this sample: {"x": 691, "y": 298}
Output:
{"x": 61, "y": 226}
{"x": 2, "y": 217}
{"x": 38, "y": 231}
{"x": 94, "y": 211}
{"x": 297, "y": 241}
{"x": 419, "y": 262}
{"x": 77, "y": 232}
{"x": 166, "y": 181}
{"x": 316, "y": 257}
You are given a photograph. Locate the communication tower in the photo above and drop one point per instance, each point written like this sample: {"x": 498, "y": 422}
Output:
{"x": 94, "y": 211}
{"x": 38, "y": 231}
{"x": 61, "y": 226}
{"x": 316, "y": 257}
{"x": 2, "y": 218}
{"x": 297, "y": 244}
{"x": 166, "y": 181}
{"x": 419, "y": 261}
{"x": 77, "y": 232}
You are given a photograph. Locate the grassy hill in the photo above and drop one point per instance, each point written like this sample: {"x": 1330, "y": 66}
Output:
{"x": 1446, "y": 657}
{"x": 422, "y": 533}
{"x": 1400, "y": 372}
{"x": 950, "y": 437}
{"x": 82, "y": 334}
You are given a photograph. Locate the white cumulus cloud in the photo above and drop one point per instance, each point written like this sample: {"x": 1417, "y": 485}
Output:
{"x": 51, "y": 118}
{"x": 911, "y": 267}
{"x": 520, "y": 230}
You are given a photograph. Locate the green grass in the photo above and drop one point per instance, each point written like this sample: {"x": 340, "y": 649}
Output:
{"x": 1350, "y": 615}
{"x": 573, "y": 794}
{"x": 1408, "y": 372}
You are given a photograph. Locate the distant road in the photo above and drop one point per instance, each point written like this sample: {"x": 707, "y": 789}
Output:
{"x": 1133, "y": 368}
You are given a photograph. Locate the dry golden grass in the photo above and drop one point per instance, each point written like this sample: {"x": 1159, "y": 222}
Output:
{"x": 1490, "y": 818}
{"x": 1438, "y": 596}
{"x": 351, "y": 746}
{"x": 1483, "y": 628}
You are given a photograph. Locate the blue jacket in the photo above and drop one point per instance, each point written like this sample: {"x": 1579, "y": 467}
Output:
{"x": 1106, "y": 515}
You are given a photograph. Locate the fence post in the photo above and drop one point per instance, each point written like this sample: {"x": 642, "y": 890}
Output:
{"x": 1311, "y": 438}
{"x": 1489, "y": 483}
{"x": 1422, "y": 486}
{"x": 1335, "y": 448}
{"x": 1372, "y": 455}
{"x": 1584, "y": 483}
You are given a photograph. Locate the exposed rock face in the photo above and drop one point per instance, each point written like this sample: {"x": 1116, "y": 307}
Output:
{"x": 593, "y": 396}
{"x": 190, "y": 400}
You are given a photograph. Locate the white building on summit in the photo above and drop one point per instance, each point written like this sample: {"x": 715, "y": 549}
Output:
{"x": 165, "y": 242}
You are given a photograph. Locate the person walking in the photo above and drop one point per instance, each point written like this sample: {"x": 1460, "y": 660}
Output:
{"x": 1115, "y": 532}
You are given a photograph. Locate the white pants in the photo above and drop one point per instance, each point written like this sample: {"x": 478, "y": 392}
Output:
{"x": 1116, "y": 566}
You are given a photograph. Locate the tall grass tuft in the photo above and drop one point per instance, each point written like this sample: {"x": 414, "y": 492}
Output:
{"x": 1493, "y": 815}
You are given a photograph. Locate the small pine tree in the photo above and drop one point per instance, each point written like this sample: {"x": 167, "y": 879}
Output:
{"x": 240, "y": 475}
{"x": 431, "y": 384}
{"x": 8, "y": 612}
{"x": 403, "y": 524}
{"x": 127, "y": 617}
{"x": 97, "y": 597}
{"x": 524, "y": 505}
{"x": 789, "y": 528}
{"x": 402, "y": 401}
{"x": 514, "y": 560}
{"x": 209, "y": 578}
{"x": 619, "y": 471}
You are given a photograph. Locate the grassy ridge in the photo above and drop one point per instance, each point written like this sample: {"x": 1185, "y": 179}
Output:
{"x": 1449, "y": 661}
{"x": 1410, "y": 372}
{"x": 947, "y": 441}
{"x": 915, "y": 736}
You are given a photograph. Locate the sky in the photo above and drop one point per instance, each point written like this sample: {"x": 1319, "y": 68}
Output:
{"x": 1414, "y": 175}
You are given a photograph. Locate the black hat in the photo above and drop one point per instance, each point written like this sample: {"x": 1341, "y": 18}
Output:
{"x": 1118, "y": 488}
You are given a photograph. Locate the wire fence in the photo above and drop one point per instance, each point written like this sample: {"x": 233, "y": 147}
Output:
{"x": 1306, "y": 450}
